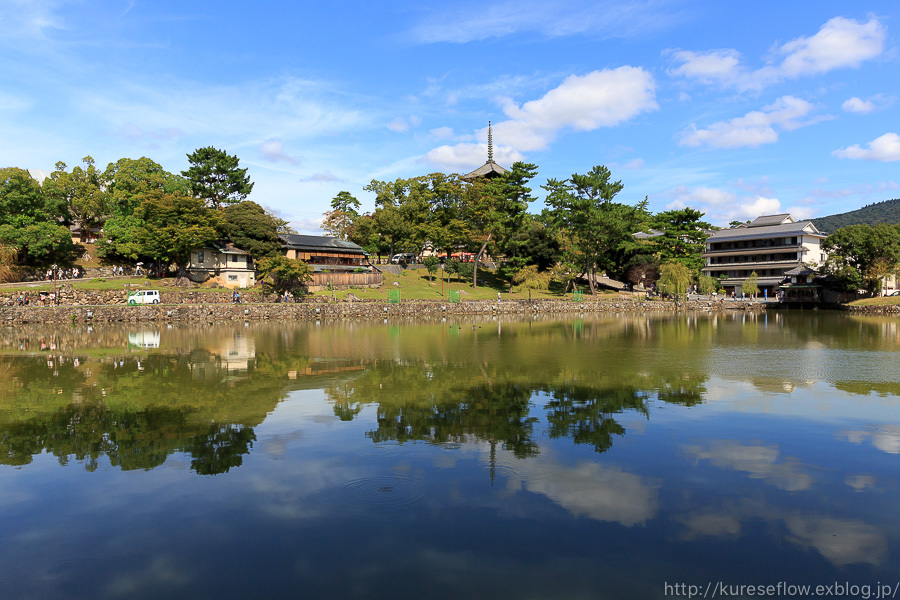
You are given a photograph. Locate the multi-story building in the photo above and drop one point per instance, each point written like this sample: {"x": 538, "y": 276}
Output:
{"x": 770, "y": 246}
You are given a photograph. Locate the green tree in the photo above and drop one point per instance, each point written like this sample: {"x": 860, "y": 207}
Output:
{"x": 120, "y": 238}
{"x": 283, "y": 274}
{"x": 30, "y": 224}
{"x": 249, "y": 227}
{"x": 531, "y": 278}
{"x": 21, "y": 199}
{"x": 708, "y": 285}
{"x": 431, "y": 264}
{"x": 128, "y": 179}
{"x": 82, "y": 192}
{"x": 861, "y": 255}
{"x": 339, "y": 220}
{"x": 683, "y": 239}
{"x": 174, "y": 225}
{"x": 497, "y": 211}
{"x": 215, "y": 177}
{"x": 538, "y": 244}
{"x": 674, "y": 278}
{"x": 600, "y": 232}
{"x": 41, "y": 244}
{"x": 749, "y": 286}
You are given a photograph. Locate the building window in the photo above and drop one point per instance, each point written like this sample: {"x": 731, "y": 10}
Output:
{"x": 232, "y": 278}
{"x": 200, "y": 257}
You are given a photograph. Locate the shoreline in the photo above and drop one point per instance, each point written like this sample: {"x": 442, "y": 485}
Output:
{"x": 104, "y": 313}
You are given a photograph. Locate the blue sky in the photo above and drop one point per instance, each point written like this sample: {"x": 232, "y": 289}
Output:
{"x": 738, "y": 109}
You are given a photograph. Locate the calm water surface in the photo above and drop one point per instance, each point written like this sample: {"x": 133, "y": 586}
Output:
{"x": 595, "y": 457}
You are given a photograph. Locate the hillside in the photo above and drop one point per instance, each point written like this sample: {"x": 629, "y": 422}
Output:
{"x": 880, "y": 212}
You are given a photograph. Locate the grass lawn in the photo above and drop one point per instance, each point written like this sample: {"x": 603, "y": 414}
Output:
{"x": 416, "y": 284}
{"x": 880, "y": 301}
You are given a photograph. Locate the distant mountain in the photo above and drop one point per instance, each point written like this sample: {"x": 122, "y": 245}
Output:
{"x": 880, "y": 212}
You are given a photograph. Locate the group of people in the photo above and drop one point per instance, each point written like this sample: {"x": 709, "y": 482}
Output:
{"x": 73, "y": 273}
{"x": 235, "y": 297}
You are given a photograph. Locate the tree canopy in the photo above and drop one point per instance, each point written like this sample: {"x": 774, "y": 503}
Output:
{"x": 599, "y": 233}
{"x": 215, "y": 177}
{"x": 251, "y": 228}
{"x": 175, "y": 224}
{"x": 861, "y": 255}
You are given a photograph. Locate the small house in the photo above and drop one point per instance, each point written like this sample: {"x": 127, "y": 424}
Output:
{"x": 225, "y": 261}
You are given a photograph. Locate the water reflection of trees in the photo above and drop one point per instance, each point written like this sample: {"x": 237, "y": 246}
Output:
{"x": 584, "y": 414}
{"x": 440, "y": 403}
{"x": 201, "y": 397}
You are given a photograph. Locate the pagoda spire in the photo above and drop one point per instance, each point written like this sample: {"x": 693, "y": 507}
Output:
{"x": 490, "y": 145}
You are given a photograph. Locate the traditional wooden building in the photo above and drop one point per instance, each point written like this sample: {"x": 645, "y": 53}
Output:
{"x": 334, "y": 262}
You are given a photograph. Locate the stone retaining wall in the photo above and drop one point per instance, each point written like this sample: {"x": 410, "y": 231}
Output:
{"x": 341, "y": 310}
{"x": 882, "y": 309}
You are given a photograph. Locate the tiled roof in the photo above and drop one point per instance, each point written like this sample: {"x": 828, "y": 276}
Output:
{"x": 772, "y": 220}
{"x": 318, "y": 242}
{"x": 765, "y": 231}
{"x": 487, "y": 168}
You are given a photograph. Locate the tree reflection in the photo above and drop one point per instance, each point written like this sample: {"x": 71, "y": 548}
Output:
{"x": 498, "y": 413}
{"x": 585, "y": 414}
{"x": 220, "y": 449}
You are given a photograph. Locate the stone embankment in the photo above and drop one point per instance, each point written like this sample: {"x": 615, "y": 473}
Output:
{"x": 218, "y": 307}
{"x": 878, "y": 309}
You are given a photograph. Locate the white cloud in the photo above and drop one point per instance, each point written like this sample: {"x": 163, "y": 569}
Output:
{"x": 592, "y": 490}
{"x": 273, "y": 151}
{"x": 886, "y": 438}
{"x": 842, "y": 542}
{"x": 857, "y": 105}
{"x": 703, "y": 196}
{"x": 761, "y": 462}
{"x": 308, "y": 225}
{"x": 634, "y": 165}
{"x": 839, "y": 43}
{"x": 760, "y": 206}
{"x": 599, "y": 99}
{"x": 583, "y": 103}
{"x": 466, "y": 157}
{"x": 885, "y": 148}
{"x": 754, "y": 129}
{"x": 860, "y": 482}
{"x": 721, "y": 206}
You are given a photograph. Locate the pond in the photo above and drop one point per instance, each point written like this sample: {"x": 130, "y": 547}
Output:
{"x": 622, "y": 456}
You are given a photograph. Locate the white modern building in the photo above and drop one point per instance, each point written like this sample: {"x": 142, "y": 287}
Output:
{"x": 770, "y": 246}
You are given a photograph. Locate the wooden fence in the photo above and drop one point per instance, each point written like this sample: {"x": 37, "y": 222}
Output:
{"x": 320, "y": 281}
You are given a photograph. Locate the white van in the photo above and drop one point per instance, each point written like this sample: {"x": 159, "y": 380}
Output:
{"x": 404, "y": 257}
{"x": 143, "y": 297}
